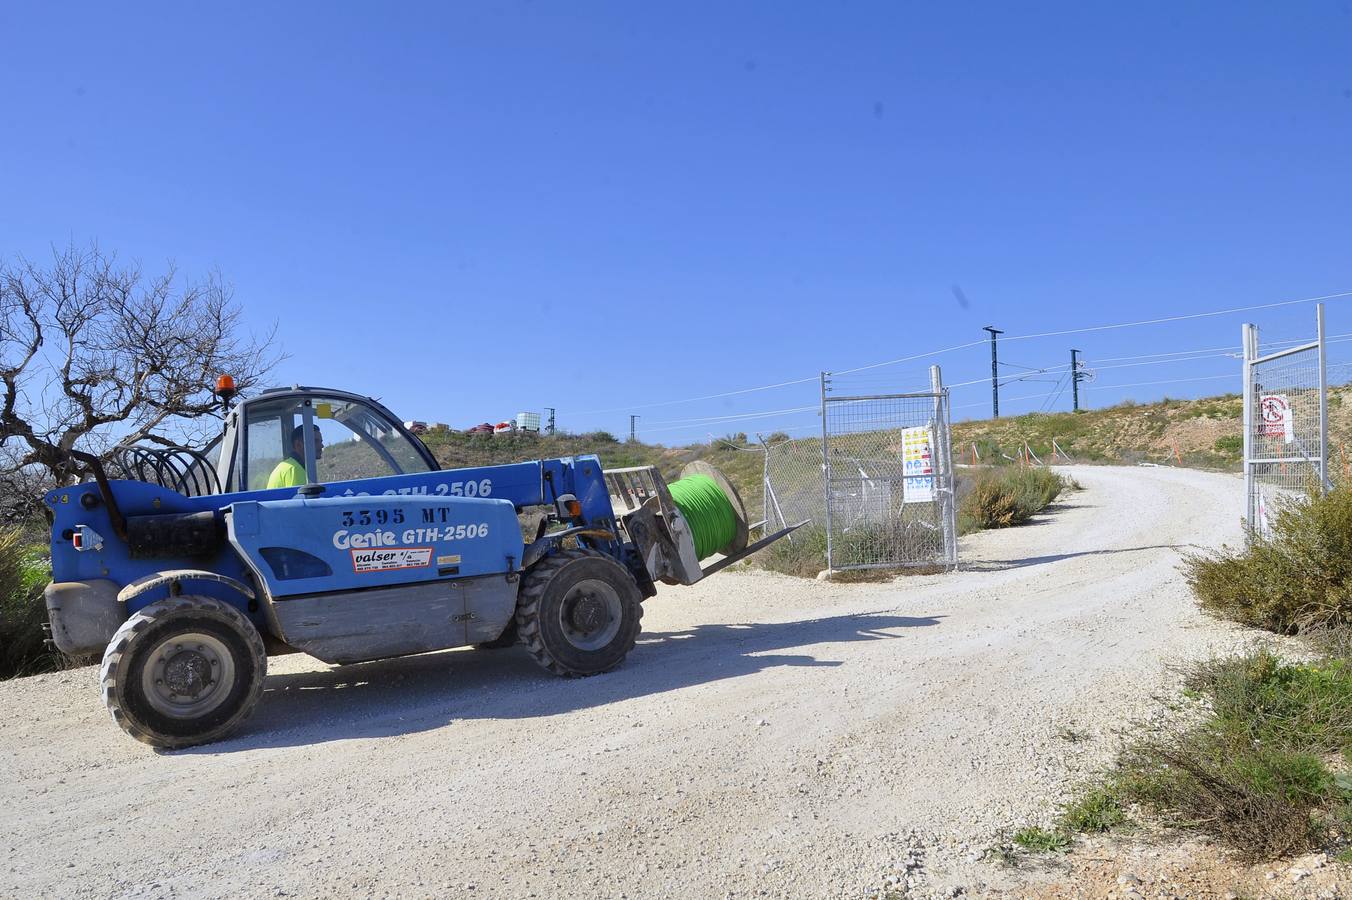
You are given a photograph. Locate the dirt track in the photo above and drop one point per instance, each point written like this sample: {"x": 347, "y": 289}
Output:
{"x": 768, "y": 735}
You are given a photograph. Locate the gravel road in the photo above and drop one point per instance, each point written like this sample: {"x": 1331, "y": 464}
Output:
{"x": 768, "y": 736}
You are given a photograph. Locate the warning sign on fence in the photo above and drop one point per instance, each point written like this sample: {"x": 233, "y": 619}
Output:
{"x": 1274, "y": 417}
{"x": 917, "y": 465}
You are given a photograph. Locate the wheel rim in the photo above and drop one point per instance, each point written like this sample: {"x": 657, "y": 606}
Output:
{"x": 188, "y": 675}
{"x": 590, "y": 614}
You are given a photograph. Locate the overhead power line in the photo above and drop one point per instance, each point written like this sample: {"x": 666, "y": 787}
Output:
{"x": 1201, "y": 315}
{"x": 1233, "y": 349}
{"x": 751, "y": 390}
{"x": 968, "y": 344}
{"x": 1179, "y": 318}
{"x": 893, "y": 362}
{"x": 984, "y": 380}
{"x": 711, "y": 419}
{"x": 1233, "y": 375}
{"x": 724, "y": 420}
{"x": 814, "y": 409}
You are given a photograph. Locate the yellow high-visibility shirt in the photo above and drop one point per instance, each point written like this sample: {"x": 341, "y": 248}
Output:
{"x": 289, "y": 473}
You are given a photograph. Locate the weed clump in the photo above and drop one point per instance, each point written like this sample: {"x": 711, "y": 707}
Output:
{"x": 1298, "y": 577}
{"x": 1042, "y": 840}
{"x": 802, "y": 553}
{"x": 1097, "y": 809}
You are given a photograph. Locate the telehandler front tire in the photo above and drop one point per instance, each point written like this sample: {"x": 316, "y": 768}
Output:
{"x": 578, "y": 613}
{"x": 186, "y": 670}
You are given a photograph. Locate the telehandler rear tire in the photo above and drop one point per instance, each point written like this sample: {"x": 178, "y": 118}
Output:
{"x": 579, "y": 613}
{"x": 186, "y": 670}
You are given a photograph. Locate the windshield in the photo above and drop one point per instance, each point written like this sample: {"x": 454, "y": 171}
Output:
{"x": 352, "y": 441}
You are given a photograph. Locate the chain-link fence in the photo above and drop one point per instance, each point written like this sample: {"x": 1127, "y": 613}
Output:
{"x": 889, "y": 475}
{"x": 882, "y": 491}
{"x": 1285, "y": 424}
{"x": 794, "y": 490}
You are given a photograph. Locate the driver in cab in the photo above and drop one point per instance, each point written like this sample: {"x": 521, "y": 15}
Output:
{"x": 290, "y": 472}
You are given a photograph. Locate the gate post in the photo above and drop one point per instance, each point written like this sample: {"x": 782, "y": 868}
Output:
{"x": 1324, "y": 481}
{"x": 1249, "y": 335}
{"x": 765, "y": 487}
{"x": 826, "y": 475}
{"x": 943, "y": 466}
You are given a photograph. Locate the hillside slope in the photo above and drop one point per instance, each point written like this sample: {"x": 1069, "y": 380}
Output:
{"x": 1201, "y": 433}
{"x": 1204, "y": 433}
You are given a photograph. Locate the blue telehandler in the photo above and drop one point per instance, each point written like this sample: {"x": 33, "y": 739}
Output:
{"x": 186, "y": 571}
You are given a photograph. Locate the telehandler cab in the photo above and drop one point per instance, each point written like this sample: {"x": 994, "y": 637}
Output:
{"x": 186, "y": 572}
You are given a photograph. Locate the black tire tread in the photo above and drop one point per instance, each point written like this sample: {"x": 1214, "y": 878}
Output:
{"x": 140, "y": 622}
{"x": 528, "y": 609}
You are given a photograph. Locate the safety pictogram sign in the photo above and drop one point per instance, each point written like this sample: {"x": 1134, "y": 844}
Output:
{"x": 917, "y": 459}
{"x": 1274, "y": 417}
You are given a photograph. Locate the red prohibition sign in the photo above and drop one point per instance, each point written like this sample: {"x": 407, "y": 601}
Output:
{"x": 1273, "y": 409}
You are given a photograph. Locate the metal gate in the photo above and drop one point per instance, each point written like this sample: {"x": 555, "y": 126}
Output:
{"x": 888, "y": 485}
{"x": 1285, "y": 423}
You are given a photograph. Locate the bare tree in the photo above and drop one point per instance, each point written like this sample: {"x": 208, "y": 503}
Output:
{"x": 93, "y": 353}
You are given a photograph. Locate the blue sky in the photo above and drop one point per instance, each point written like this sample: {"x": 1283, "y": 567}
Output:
{"x": 474, "y": 209}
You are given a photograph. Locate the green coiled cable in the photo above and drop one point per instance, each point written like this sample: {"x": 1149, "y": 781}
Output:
{"x": 708, "y": 512}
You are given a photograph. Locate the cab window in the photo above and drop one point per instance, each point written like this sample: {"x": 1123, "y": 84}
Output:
{"x": 268, "y": 437}
{"x": 361, "y": 443}
{"x": 355, "y": 441}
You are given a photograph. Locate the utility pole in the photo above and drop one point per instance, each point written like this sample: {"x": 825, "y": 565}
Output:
{"x": 995, "y": 374}
{"x": 1075, "y": 380}
{"x": 549, "y": 426}
{"x": 633, "y": 429}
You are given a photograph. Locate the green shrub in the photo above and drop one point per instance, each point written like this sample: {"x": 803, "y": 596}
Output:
{"x": 1229, "y": 445}
{"x": 24, "y": 572}
{"x": 1253, "y": 773}
{"x": 1298, "y": 578}
{"x": 1262, "y": 803}
{"x": 1307, "y": 708}
{"x": 1001, "y": 498}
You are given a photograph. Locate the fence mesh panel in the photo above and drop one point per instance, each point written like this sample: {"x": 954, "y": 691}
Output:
{"x": 794, "y": 491}
{"x": 1340, "y": 422}
{"x": 877, "y": 518}
{"x": 890, "y": 482}
{"x": 1285, "y": 432}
